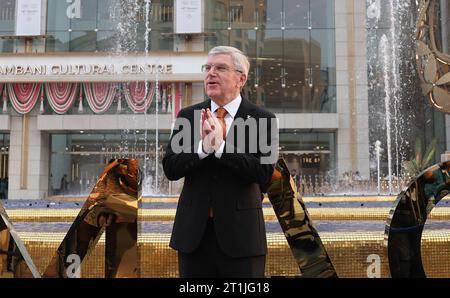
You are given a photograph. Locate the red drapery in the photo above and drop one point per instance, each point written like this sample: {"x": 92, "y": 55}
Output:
{"x": 177, "y": 103}
{"x": 23, "y": 96}
{"x": 3, "y": 91}
{"x": 61, "y": 96}
{"x": 99, "y": 96}
{"x": 138, "y": 95}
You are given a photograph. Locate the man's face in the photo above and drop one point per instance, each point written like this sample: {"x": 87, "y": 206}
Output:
{"x": 223, "y": 86}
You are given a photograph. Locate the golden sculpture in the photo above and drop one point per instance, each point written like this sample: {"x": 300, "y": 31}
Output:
{"x": 301, "y": 235}
{"x": 404, "y": 227}
{"x": 14, "y": 257}
{"x": 433, "y": 64}
{"x": 111, "y": 206}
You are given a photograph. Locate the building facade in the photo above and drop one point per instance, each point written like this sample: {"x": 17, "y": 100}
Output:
{"x": 104, "y": 79}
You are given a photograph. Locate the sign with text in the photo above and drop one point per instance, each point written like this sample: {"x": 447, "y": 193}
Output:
{"x": 28, "y": 20}
{"x": 188, "y": 17}
{"x": 84, "y": 69}
{"x": 310, "y": 161}
{"x": 101, "y": 68}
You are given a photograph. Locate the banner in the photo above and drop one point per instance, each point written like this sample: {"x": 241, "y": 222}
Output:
{"x": 28, "y": 20}
{"x": 188, "y": 16}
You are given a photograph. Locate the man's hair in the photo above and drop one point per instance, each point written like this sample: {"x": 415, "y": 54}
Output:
{"x": 239, "y": 58}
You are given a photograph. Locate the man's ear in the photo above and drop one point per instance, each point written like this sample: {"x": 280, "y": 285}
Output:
{"x": 243, "y": 80}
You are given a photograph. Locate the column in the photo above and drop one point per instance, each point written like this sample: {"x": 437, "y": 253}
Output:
{"x": 352, "y": 89}
{"x": 38, "y": 161}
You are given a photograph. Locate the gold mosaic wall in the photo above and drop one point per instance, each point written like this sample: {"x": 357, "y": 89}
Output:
{"x": 348, "y": 251}
{"x": 322, "y": 213}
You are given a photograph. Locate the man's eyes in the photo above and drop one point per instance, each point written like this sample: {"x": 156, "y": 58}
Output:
{"x": 221, "y": 68}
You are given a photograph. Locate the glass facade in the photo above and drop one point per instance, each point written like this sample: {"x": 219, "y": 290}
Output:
{"x": 7, "y": 25}
{"x": 309, "y": 153}
{"x": 291, "y": 45}
{"x": 109, "y": 26}
{"x": 81, "y": 156}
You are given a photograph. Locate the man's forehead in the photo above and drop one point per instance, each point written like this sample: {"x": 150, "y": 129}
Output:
{"x": 224, "y": 58}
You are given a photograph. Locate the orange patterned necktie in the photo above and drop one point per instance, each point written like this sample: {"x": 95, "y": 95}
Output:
{"x": 221, "y": 113}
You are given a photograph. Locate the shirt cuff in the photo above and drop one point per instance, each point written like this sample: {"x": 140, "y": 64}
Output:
{"x": 219, "y": 151}
{"x": 200, "y": 152}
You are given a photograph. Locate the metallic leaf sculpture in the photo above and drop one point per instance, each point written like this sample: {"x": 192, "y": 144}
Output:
{"x": 112, "y": 205}
{"x": 407, "y": 218}
{"x": 303, "y": 239}
{"x": 433, "y": 64}
{"x": 14, "y": 257}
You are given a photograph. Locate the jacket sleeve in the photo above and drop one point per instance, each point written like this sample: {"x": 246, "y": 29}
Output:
{"x": 177, "y": 164}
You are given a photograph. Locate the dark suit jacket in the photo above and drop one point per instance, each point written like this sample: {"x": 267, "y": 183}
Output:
{"x": 231, "y": 185}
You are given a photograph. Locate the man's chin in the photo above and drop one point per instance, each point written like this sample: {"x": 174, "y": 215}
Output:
{"x": 212, "y": 95}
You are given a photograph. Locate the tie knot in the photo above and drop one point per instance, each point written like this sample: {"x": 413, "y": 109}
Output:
{"x": 221, "y": 112}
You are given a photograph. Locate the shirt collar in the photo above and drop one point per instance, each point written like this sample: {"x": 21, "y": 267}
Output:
{"x": 231, "y": 107}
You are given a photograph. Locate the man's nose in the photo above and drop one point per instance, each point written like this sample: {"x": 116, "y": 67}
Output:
{"x": 211, "y": 73}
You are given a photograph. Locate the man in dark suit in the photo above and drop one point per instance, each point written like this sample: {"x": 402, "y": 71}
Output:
{"x": 219, "y": 226}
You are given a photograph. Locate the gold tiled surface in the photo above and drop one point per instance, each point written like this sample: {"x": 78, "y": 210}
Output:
{"x": 348, "y": 251}
{"x": 174, "y": 199}
{"x": 305, "y": 199}
{"x": 435, "y": 254}
{"x": 321, "y": 213}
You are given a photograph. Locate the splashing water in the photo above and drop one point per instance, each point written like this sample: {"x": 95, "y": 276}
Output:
{"x": 390, "y": 40}
{"x": 386, "y": 62}
{"x": 129, "y": 14}
{"x": 146, "y": 185}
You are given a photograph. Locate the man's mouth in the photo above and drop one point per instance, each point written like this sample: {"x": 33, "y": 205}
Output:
{"x": 212, "y": 84}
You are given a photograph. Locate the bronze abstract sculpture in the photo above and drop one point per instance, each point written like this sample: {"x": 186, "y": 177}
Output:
{"x": 407, "y": 219}
{"x": 303, "y": 239}
{"x": 112, "y": 206}
{"x": 433, "y": 64}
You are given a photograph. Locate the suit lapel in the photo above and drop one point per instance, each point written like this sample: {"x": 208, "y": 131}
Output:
{"x": 206, "y": 104}
{"x": 243, "y": 110}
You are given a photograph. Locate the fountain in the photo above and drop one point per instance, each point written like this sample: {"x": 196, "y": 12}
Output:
{"x": 392, "y": 76}
{"x": 126, "y": 13}
{"x": 386, "y": 62}
{"x": 377, "y": 153}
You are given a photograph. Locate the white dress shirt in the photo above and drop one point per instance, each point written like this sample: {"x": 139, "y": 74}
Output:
{"x": 231, "y": 108}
